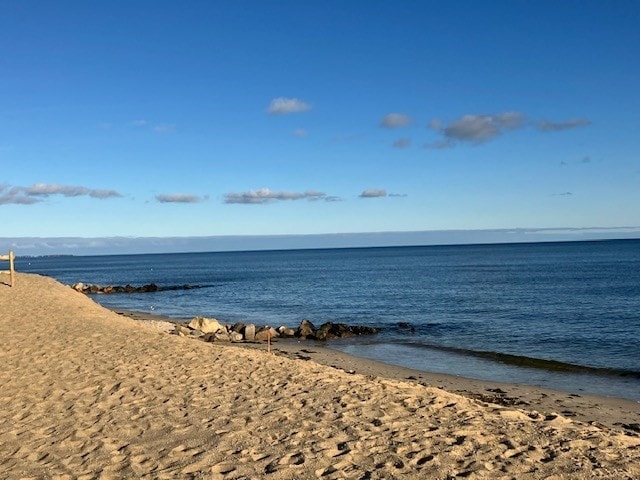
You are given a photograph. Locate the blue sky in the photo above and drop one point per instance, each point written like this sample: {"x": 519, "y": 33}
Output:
{"x": 178, "y": 119}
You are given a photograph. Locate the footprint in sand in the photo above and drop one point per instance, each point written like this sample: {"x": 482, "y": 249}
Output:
{"x": 293, "y": 459}
{"x": 338, "y": 450}
{"x": 223, "y": 468}
{"x": 422, "y": 460}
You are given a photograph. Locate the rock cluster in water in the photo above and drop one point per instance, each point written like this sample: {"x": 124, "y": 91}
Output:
{"x": 152, "y": 287}
{"x": 211, "y": 330}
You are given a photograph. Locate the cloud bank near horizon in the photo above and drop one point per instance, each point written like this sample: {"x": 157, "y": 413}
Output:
{"x": 25, "y": 246}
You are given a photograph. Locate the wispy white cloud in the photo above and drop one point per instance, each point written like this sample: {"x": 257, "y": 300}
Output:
{"x": 99, "y": 193}
{"x": 45, "y": 190}
{"x": 178, "y": 198}
{"x": 547, "y": 126}
{"x": 37, "y": 191}
{"x": 283, "y": 106}
{"x": 300, "y": 132}
{"x": 373, "y": 193}
{"x": 379, "y": 193}
{"x": 9, "y": 199}
{"x": 395, "y": 120}
{"x": 264, "y": 195}
{"x": 479, "y": 128}
{"x": 402, "y": 143}
{"x": 9, "y": 196}
{"x": 139, "y": 123}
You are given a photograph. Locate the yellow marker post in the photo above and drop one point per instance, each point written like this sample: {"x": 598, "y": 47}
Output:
{"x": 268, "y": 339}
{"x": 12, "y": 271}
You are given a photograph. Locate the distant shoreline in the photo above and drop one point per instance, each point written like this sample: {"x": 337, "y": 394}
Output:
{"x": 101, "y": 246}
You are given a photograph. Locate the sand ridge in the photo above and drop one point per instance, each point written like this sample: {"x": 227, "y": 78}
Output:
{"x": 87, "y": 393}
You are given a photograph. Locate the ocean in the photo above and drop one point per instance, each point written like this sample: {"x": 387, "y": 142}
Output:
{"x": 558, "y": 315}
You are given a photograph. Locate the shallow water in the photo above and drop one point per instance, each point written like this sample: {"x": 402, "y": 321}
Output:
{"x": 574, "y": 303}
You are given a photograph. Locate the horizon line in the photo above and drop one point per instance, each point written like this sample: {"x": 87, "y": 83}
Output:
{"x": 114, "y": 245}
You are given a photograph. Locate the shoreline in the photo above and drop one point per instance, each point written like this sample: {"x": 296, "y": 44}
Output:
{"x": 612, "y": 412}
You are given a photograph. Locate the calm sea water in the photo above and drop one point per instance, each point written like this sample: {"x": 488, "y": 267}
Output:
{"x": 561, "y": 315}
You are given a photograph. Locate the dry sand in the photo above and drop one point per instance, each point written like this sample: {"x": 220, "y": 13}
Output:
{"x": 88, "y": 393}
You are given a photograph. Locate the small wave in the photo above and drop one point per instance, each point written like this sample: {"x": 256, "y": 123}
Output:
{"x": 527, "y": 362}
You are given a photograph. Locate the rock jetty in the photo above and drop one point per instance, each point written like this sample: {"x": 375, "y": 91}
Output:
{"x": 212, "y": 330}
{"x": 107, "y": 289}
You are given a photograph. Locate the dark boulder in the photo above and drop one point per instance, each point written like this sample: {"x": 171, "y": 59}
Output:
{"x": 330, "y": 330}
{"x": 306, "y": 329}
{"x": 152, "y": 287}
{"x": 363, "y": 330}
{"x": 238, "y": 327}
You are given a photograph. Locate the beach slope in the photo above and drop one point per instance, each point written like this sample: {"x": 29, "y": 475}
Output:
{"x": 87, "y": 393}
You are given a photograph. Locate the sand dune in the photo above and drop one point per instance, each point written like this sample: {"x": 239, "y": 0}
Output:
{"x": 87, "y": 393}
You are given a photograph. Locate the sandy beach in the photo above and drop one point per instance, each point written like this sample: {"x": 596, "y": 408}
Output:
{"x": 90, "y": 393}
